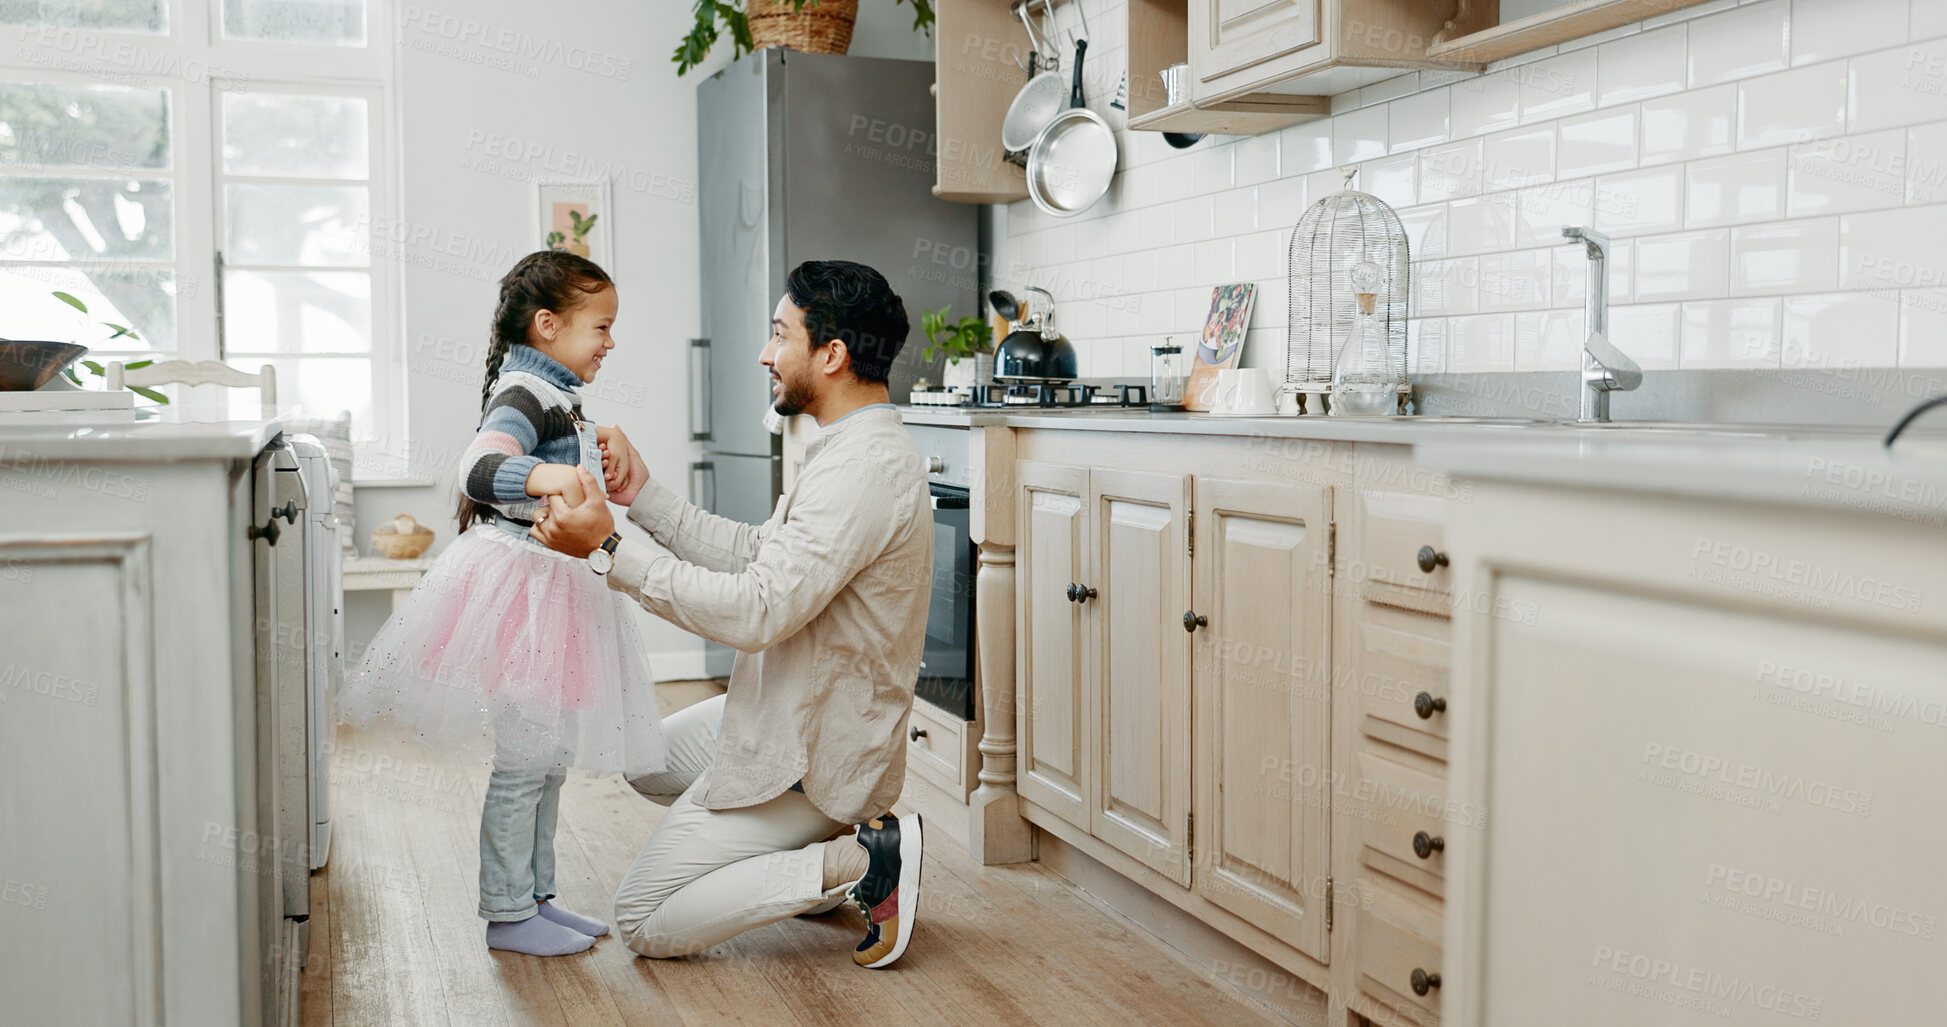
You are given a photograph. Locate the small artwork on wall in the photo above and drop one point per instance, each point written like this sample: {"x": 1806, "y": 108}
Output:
{"x": 574, "y": 216}
{"x": 1222, "y": 341}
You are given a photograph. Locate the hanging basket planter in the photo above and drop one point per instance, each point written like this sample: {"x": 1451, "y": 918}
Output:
{"x": 821, "y": 26}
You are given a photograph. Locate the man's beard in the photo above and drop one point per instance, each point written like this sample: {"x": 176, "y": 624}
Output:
{"x": 792, "y": 398}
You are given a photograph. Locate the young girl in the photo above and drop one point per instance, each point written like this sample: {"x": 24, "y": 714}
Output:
{"x": 507, "y": 647}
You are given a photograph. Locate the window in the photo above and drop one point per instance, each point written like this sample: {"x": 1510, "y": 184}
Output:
{"x": 205, "y": 173}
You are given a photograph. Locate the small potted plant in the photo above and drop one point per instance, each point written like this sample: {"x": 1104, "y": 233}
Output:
{"x": 963, "y": 343}
{"x": 580, "y": 226}
{"x": 825, "y": 27}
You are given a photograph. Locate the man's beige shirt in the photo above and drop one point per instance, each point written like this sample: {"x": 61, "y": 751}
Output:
{"x": 826, "y": 603}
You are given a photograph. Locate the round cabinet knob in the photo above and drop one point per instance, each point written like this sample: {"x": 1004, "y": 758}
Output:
{"x": 1424, "y": 982}
{"x": 1426, "y": 706}
{"x": 1083, "y": 593}
{"x": 1071, "y": 592}
{"x": 1192, "y": 621}
{"x": 1425, "y": 845}
{"x": 918, "y": 733}
{"x": 1430, "y": 558}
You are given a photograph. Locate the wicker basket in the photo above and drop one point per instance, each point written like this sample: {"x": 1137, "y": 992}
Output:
{"x": 824, "y": 26}
{"x": 402, "y": 538}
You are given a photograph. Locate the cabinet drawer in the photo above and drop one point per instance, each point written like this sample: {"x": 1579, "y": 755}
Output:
{"x": 1390, "y": 948}
{"x": 1394, "y": 528}
{"x": 1398, "y": 655}
{"x": 939, "y": 754}
{"x": 1405, "y": 803}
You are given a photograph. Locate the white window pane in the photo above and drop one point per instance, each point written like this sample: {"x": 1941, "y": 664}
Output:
{"x": 294, "y": 136}
{"x": 114, "y": 128}
{"x": 114, "y": 15}
{"x": 140, "y": 298}
{"x": 297, "y": 312}
{"x": 340, "y": 22}
{"x": 321, "y": 387}
{"x": 85, "y": 219}
{"x": 297, "y": 225}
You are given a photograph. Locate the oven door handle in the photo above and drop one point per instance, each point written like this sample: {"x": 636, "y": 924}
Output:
{"x": 951, "y": 503}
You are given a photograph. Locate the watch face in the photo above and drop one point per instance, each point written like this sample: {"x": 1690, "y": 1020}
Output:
{"x": 601, "y": 560}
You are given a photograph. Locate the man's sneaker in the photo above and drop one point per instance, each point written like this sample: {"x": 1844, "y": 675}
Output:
{"x": 888, "y": 894}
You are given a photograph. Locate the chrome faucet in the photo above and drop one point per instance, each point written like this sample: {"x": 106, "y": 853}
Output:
{"x": 1605, "y": 368}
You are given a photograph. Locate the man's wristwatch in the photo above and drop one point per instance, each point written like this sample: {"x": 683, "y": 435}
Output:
{"x": 602, "y": 560}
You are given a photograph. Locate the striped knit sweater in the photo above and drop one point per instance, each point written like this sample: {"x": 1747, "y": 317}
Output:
{"x": 529, "y": 421}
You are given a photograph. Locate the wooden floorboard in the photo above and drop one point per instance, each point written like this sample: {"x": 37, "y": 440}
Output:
{"x": 396, "y": 938}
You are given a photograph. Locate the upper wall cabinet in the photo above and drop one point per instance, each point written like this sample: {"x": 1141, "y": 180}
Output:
{"x": 1258, "y": 65}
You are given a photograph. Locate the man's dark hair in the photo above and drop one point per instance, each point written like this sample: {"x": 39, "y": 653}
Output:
{"x": 853, "y": 304}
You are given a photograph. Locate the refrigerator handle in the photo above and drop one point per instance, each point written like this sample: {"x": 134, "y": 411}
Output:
{"x": 703, "y": 485}
{"x": 701, "y": 429}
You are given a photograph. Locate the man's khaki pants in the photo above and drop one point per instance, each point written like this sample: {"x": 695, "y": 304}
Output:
{"x": 705, "y": 876}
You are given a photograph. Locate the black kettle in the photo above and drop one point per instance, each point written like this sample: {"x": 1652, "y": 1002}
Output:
{"x": 1033, "y": 352}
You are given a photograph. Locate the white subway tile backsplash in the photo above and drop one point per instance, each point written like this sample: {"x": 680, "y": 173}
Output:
{"x": 1640, "y": 202}
{"x": 1791, "y": 107}
{"x": 1485, "y": 104}
{"x": 1790, "y": 256}
{"x": 1393, "y": 180}
{"x": 1729, "y": 333}
{"x": 1594, "y": 143}
{"x": 1514, "y": 159}
{"x": 1481, "y": 224}
{"x": 1548, "y": 340}
{"x": 1841, "y": 176}
{"x": 1893, "y": 249}
{"x": 1824, "y": 29}
{"x": 1417, "y": 120}
{"x": 1738, "y": 43}
{"x": 1556, "y": 87}
{"x": 1685, "y": 126}
{"x": 1306, "y": 147}
{"x": 1737, "y": 189}
{"x": 1359, "y": 135}
{"x": 1641, "y": 66}
{"x": 1687, "y": 265}
{"x": 1256, "y": 160}
{"x": 1838, "y": 331}
{"x": 1515, "y": 281}
{"x": 1648, "y": 332}
{"x": 1450, "y": 172}
{"x": 1773, "y": 174}
{"x": 1906, "y": 85}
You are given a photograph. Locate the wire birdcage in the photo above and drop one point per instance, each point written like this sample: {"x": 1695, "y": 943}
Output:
{"x": 1334, "y": 236}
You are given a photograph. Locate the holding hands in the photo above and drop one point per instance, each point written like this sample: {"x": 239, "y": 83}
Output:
{"x": 623, "y": 471}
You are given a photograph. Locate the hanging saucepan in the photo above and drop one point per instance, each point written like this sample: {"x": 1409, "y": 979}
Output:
{"x": 1033, "y": 352}
{"x": 1074, "y": 159}
{"x": 1036, "y": 104}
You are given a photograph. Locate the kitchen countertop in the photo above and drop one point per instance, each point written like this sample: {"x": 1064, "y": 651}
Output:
{"x": 178, "y": 433}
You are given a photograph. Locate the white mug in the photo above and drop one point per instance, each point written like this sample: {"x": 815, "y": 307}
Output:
{"x": 1243, "y": 390}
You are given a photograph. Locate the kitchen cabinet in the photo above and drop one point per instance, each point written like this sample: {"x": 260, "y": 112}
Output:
{"x": 1263, "y": 716}
{"x": 1104, "y": 667}
{"x": 1710, "y": 712}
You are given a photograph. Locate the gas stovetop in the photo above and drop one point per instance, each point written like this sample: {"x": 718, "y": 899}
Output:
{"x": 1081, "y": 392}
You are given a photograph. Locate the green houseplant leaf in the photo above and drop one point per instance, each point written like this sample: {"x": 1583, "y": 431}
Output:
{"x": 711, "y": 14}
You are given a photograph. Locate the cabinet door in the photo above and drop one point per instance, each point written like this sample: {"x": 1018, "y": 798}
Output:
{"x": 1050, "y": 672}
{"x": 1140, "y": 802}
{"x": 1227, "y": 36}
{"x": 1263, "y": 728}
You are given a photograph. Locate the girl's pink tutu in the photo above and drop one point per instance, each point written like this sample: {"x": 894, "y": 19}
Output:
{"x": 506, "y": 645}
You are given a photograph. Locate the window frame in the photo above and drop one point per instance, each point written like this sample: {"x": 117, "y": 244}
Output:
{"x": 196, "y": 66}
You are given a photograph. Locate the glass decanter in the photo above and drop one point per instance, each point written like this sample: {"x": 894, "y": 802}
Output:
{"x": 1362, "y": 376}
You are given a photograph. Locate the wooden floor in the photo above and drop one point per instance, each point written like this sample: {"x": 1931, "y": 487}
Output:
{"x": 395, "y": 939}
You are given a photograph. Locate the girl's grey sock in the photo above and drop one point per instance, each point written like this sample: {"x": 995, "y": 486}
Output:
{"x": 536, "y": 936}
{"x": 567, "y": 918}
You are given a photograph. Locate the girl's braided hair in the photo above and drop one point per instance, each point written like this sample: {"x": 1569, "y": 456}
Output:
{"x": 543, "y": 280}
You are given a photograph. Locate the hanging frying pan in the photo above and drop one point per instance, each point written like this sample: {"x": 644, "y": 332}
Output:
{"x": 1036, "y": 104}
{"x": 1073, "y": 160}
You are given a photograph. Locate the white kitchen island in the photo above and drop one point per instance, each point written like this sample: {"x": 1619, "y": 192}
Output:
{"x": 142, "y": 882}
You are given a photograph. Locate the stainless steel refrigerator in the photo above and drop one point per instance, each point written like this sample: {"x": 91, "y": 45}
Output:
{"x": 808, "y": 157}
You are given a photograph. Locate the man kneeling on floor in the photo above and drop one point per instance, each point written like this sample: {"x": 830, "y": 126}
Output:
{"x": 826, "y": 605}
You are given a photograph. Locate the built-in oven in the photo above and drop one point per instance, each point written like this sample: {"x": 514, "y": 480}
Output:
{"x": 946, "y": 674}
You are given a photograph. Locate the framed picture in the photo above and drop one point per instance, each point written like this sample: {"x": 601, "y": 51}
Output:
{"x": 574, "y": 216}
{"x": 1222, "y": 340}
